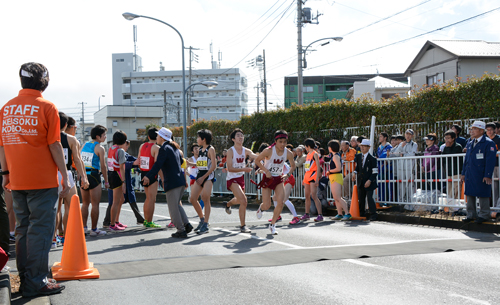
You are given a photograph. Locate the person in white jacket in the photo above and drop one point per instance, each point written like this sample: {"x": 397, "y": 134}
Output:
{"x": 406, "y": 167}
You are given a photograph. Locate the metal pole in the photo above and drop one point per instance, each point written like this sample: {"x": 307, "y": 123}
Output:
{"x": 258, "y": 89}
{"x": 300, "y": 97}
{"x": 265, "y": 81}
{"x": 164, "y": 107}
{"x": 190, "y": 95}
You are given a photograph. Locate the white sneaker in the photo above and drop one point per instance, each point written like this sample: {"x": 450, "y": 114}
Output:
{"x": 273, "y": 229}
{"x": 97, "y": 232}
{"x": 259, "y": 212}
{"x": 86, "y": 231}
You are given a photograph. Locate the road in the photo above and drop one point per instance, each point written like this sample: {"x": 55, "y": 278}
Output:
{"x": 321, "y": 263}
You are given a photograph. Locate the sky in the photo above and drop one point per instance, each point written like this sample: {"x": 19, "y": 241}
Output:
{"x": 75, "y": 40}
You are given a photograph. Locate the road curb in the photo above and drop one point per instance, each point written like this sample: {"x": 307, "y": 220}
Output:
{"x": 4, "y": 288}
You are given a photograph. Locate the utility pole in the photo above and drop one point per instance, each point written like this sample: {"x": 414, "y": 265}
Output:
{"x": 164, "y": 107}
{"x": 190, "y": 93}
{"x": 299, "y": 53}
{"x": 258, "y": 88}
{"x": 265, "y": 81}
{"x": 83, "y": 122}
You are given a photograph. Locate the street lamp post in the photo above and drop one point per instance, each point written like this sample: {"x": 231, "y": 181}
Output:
{"x": 130, "y": 16}
{"x": 209, "y": 84}
{"x": 99, "y": 102}
{"x": 300, "y": 79}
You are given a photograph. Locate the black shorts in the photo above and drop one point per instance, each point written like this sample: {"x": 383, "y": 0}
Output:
{"x": 151, "y": 180}
{"x": 114, "y": 180}
{"x": 200, "y": 174}
{"x": 94, "y": 179}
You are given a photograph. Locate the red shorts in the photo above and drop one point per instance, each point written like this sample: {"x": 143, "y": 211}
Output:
{"x": 239, "y": 180}
{"x": 290, "y": 180}
{"x": 270, "y": 183}
{"x": 192, "y": 181}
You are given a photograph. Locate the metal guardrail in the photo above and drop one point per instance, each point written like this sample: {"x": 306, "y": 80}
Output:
{"x": 411, "y": 181}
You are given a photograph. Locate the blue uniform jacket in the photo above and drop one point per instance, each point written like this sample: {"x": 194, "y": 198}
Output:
{"x": 476, "y": 169}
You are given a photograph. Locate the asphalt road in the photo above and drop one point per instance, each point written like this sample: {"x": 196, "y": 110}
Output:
{"x": 312, "y": 262}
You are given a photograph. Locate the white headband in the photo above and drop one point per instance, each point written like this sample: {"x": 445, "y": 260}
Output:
{"x": 28, "y": 74}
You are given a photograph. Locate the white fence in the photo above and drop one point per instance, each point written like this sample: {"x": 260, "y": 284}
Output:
{"x": 429, "y": 181}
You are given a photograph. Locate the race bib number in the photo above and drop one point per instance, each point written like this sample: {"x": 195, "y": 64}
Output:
{"x": 110, "y": 164}
{"x": 202, "y": 163}
{"x": 144, "y": 163}
{"x": 65, "y": 155}
{"x": 276, "y": 171}
{"x": 307, "y": 166}
{"x": 87, "y": 158}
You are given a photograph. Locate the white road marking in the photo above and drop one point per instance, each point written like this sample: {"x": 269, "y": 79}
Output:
{"x": 259, "y": 238}
{"x": 469, "y": 299}
{"x": 357, "y": 262}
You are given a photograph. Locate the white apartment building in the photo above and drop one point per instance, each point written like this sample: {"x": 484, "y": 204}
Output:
{"x": 146, "y": 88}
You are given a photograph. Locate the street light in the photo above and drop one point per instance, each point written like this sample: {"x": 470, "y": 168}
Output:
{"x": 130, "y": 16}
{"x": 300, "y": 80}
{"x": 99, "y": 101}
{"x": 209, "y": 84}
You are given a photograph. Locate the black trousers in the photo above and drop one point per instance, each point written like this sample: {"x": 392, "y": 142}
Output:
{"x": 363, "y": 194}
{"x": 133, "y": 206}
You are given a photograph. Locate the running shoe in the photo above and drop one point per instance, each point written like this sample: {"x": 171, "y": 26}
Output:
{"x": 116, "y": 228}
{"x": 203, "y": 229}
{"x": 145, "y": 222}
{"x": 295, "y": 221}
{"x": 58, "y": 240}
{"x": 188, "y": 228}
{"x": 245, "y": 229}
{"x": 279, "y": 219}
{"x": 121, "y": 225}
{"x": 338, "y": 217}
{"x": 54, "y": 244}
{"x": 171, "y": 225}
{"x": 347, "y": 217}
{"x": 97, "y": 232}
{"x": 259, "y": 212}
{"x": 200, "y": 224}
{"x": 305, "y": 217}
{"x": 152, "y": 225}
{"x": 182, "y": 234}
{"x": 273, "y": 229}
{"x": 319, "y": 218}
{"x": 228, "y": 209}
{"x": 62, "y": 240}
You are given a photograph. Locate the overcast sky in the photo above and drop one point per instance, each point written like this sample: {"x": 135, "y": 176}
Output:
{"x": 75, "y": 40}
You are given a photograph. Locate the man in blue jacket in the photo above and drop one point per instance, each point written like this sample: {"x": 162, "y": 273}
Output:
{"x": 477, "y": 173}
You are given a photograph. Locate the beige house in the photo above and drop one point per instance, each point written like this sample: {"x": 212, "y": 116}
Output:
{"x": 380, "y": 87}
{"x": 442, "y": 60}
{"x": 128, "y": 119}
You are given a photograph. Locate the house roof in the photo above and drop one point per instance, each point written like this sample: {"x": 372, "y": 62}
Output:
{"x": 459, "y": 49}
{"x": 382, "y": 82}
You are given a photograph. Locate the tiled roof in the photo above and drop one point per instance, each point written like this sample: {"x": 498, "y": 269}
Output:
{"x": 469, "y": 47}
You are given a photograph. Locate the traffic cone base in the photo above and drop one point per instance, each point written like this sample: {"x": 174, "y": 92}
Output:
{"x": 62, "y": 275}
{"x": 74, "y": 262}
{"x": 354, "y": 210}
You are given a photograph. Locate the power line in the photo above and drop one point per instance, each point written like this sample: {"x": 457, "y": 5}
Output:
{"x": 239, "y": 35}
{"x": 383, "y": 19}
{"x": 407, "y": 39}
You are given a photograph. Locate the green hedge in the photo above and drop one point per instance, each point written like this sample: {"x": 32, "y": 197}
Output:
{"x": 453, "y": 100}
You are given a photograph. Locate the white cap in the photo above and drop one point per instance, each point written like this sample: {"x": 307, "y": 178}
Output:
{"x": 366, "y": 142}
{"x": 165, "y": 133}
{"x": 479, "y": 124}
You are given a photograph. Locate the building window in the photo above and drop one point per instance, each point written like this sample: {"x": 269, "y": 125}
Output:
{"x": 308, "y": 89}
{"x": 176, "y": 80}
{"x": 126, "y": 97}
{"x": 435, "y": 79}
{"x": 232, "y": 110}
{"x": 224, "y": 94}
{"x": 231, "y": 78}
{"x": 147, "y": 96}
{"x": 177, "y": 96}
{"x": 169, "y": 80}
{"x": 224, "y": 109}
{"x": 126, "y": 81}
{"x": 162, "y": 80}
{"x": 292, "y": 88}
{"x": 120, "y": 60}
{"x": 320, "y": 89}
{"x": 139, "y": 97}
{"x": 139, "y": 81}
{"x": 115, "y": 123}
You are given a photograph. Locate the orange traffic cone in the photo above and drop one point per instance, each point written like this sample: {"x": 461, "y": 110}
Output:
{"x": 74, "y": 263}
{"x": 354, "y": 210}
